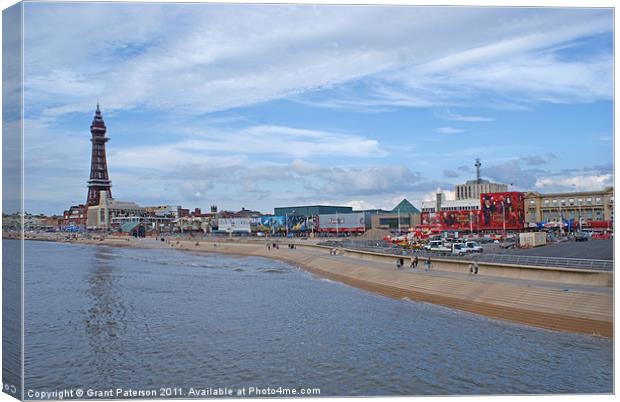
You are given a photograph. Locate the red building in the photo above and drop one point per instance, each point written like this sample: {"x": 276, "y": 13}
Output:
{"x": 497, "y": 211}
{"x": 75, "y": 216}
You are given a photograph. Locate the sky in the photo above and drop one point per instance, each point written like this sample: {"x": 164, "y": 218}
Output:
{"x": 262, "y": 106}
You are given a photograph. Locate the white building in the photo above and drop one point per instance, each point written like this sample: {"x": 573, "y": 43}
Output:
{"x": 441, "y": 204}
{"x": 473, "y": 188}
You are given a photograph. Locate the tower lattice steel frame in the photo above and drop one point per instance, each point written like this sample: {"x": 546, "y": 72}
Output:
{"x": 99, "y": 180}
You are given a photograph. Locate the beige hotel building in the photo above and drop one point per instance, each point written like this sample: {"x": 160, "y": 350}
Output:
{"x": 585, "y": 205}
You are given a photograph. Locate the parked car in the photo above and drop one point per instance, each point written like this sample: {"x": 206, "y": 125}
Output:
{"x": 473, "y": 247}
{"x": 437, "y": 245}
{"x": 459, "y": 249}
{"x": 581, "y": 237}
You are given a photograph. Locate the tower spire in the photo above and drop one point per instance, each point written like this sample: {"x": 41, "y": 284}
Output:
{"x": 477, "y": 165}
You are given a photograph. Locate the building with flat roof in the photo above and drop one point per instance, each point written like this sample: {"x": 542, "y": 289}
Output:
{"x": 441, "y": 204}
{"x": 102, "y": 215}
{"x": 312, "y": 210}
{"x": 584, "y": 206}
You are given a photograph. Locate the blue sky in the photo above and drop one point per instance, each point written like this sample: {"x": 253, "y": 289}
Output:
{"x": 259, "y": 106}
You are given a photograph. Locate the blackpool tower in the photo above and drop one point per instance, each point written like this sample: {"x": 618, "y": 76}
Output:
{"x": 99, "y": 180}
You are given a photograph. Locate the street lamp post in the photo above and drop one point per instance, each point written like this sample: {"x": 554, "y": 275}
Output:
{"x": 504, "y": 217}
{"x": 337, "y": 223}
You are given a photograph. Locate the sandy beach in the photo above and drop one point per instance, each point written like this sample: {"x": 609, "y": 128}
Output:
{"x": 557, "y": 306}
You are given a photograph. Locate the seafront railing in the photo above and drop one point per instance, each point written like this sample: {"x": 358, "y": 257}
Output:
{"x": 383, "y": 247}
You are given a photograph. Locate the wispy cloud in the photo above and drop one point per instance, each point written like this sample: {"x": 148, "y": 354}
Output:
{"x": 449, "y": 130}
{"x": 213, "y": 145}
{"x": 448, "y": 115}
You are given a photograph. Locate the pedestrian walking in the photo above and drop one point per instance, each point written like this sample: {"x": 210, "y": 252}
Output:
{"x": 428, "y": 264}
{"x": 415, "y": 262}
{"x": 398, "y": 264}
{"x": 411, "y": 263}
{"x": 269, "y": 246}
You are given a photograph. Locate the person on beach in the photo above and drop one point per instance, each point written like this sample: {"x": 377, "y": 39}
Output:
{"x": 473, "y": 268}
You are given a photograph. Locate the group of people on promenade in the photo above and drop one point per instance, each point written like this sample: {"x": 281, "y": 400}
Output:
{"x": 413, "y": 263}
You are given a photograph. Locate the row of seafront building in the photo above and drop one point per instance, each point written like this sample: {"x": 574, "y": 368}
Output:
{"x": 478, "y": 204}
{"x": 590, "y": 209}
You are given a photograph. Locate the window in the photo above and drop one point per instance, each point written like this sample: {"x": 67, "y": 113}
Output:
{"x": 532, "y": 202}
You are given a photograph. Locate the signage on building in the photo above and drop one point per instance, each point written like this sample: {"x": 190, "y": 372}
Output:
{"x": 272, "y": 223}
{"x": 234, "y": 225}
{"x": 354, "y": 222}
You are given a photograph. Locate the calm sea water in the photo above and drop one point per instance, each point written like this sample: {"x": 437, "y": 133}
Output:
{"x": 102, "y": 317}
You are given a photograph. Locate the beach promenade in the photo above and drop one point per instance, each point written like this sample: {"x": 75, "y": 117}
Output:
{"x": 557, "y": 306}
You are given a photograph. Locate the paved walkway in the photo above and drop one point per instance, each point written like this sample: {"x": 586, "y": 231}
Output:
{"x": 479, "y": 278}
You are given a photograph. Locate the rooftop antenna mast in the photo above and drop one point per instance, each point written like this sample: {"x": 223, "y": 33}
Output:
{"x": 477, "y": 165}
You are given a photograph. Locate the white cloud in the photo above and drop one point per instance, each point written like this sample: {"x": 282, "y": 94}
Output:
{"x": 358, "y": 205}
{"x": 449, "y": 130}
{"x": 448, "y": 115}
{"x": 575, "y": 183}
{"x": 233, "y": 147}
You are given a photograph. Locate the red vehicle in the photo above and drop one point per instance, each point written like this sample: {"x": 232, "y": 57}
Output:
{"x": 601, "y": 236}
